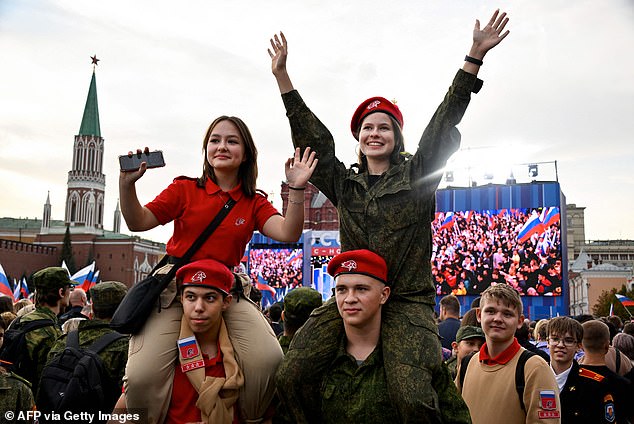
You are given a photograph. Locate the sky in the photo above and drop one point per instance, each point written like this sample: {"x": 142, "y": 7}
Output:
{"x": 558, "y": 91}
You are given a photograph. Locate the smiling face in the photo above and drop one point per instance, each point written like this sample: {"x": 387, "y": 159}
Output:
{"x": 225, "y": 147}
{"x": 376, "y": 137}
{"x": 563, "y": 348}
{"x": 499, "y": 320}
{"x": 359, "y": 299}
{"x": 203, "y": 307}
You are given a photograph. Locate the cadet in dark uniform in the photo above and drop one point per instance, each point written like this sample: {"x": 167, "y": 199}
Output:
{"x": 586, "y": 396}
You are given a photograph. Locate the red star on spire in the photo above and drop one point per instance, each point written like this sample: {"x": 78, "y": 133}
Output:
{"x": 95, "y": 60}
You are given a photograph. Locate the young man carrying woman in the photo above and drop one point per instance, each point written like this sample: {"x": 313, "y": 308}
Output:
{"x": 386, "y": 204}
{"x": 229, "y": 171}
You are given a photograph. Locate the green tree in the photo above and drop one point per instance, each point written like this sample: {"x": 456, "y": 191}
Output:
{"x": 608, "y": 298}
{"x": 67, "y": 252}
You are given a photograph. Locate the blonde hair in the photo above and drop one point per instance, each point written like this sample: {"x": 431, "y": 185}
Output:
{"x": 504, "y": 293}
{"x": 541, "y": 330}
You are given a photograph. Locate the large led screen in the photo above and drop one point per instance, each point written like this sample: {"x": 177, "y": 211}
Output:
{"x": 275, "y": 272}
{"x": 473, "y": 250}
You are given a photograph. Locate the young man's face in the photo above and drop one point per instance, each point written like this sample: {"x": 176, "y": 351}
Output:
{"x": 359, "y": 298}
{"x": 465, "y": 347}
{"x": 563, "y": 348}
{"x": 203, "y": 307}
{"x": 499, "y": 321}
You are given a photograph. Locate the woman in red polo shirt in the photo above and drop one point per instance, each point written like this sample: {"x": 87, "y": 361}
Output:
{"x": 229, "y": 170}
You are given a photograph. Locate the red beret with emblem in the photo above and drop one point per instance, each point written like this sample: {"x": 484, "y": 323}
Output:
{"x": 371, "y": 105}
{"x": 206, "y": 273}
{"x": 360, "y": 261}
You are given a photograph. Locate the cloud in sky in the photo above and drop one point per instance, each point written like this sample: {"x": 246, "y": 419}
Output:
{"x": 558, "y": 88}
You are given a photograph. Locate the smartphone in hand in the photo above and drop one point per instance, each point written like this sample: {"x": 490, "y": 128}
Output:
{"x": 132, "y": 162}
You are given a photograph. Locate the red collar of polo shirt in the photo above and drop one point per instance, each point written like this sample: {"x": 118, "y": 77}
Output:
{"x": 213, "y": 188}
{"x": 503, "y": 357}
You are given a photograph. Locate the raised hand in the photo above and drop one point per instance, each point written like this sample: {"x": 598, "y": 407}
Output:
{"x": 278, "y": 53}
{"x": 491, "y": 35}
{"x": 298, "y": 171}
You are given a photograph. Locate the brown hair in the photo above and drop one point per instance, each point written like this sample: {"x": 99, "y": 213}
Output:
{"x": 397, "y": 156}
{"x": 505, "y": 293}
{"x": 248, "y": 171}
{"x": 625, "y": 343}
{"x": 541, "y": 330}
{"x": 596, "y": 336}
{"x": 451, "y": 304}
{"x": 559, "y": 326}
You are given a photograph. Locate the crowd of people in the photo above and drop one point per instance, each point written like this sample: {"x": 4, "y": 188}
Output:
{"x": 208, "y": 354}
{"x": 279, "y": 268}
{"x": 474, "y": 250}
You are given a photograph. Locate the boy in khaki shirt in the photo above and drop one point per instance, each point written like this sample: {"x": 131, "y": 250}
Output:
{"x": 489, "y": 387}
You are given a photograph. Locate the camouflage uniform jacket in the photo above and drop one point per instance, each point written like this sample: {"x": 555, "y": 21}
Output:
{"x": 39, "y": 341}
{"x": 452, "y": 365}
{"x": 357, "y": 393}
{"x": 15, "y": 393}
{"x": 392, "y": 217}
{"x": 285, "y": 342}
{"x": 114, "y": 356}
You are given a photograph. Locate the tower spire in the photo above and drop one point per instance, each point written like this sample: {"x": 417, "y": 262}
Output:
{"x": 90, "y": 120}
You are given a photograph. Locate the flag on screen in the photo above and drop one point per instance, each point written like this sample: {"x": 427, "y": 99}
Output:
{"x": 296, "y": 255}
{"x": 5, "y": 286}
{"x": 551, "y": 217}
{"x": 532, "y": 226}
{"x": 263, "y": 285}
{"x": 448, "y": 221}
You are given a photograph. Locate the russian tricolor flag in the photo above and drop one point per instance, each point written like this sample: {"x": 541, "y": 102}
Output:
{"x": 532, "y": 226}
{"x": 84, "y": 275}
{"x": 448, "y": 221}
{"x": 5, "y": 286}
{"x": 625, "y": 301}
{"x": 552, "y": 216}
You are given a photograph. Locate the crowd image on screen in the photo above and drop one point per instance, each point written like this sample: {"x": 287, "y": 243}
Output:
{"x": 279, "y": 268}
{"x": 473, "y": 250}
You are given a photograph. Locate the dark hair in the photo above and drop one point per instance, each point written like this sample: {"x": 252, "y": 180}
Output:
{"x": 248, "y": 171}
{"x": 50, "y": 298}
{"x": 275, "y": 312}
{"x": 6, "y": 304}
{"x": 470, "y": 318}
{"x": 559, "y": 326}
{"x": 396, "y": 156}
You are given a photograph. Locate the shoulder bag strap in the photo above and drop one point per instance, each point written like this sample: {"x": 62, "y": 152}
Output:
{"x": 202, "y": 238}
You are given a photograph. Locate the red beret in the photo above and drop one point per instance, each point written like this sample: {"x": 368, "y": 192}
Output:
{"x": 374, "y": 104}
{"x": 206, "y": 273}
{"x": 359, "y": 262}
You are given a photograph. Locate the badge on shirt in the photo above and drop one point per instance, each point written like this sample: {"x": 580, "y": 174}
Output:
{"x": 608, "y": 401}
{"x": 188, "y": 347}
{"x": 548, "y": 402}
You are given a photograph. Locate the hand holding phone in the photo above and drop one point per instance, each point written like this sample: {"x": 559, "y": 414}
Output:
{"x": 132, "y": 161}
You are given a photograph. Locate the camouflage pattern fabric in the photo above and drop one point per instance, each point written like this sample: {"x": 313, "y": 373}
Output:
{"x": 356, "y": 393}
{"x": 452, "y": 366}
{"x": 392, "y": 218}
{"x": 15, "y": 394}
{"x": 285, "y": 342}
{"x": 114, "y": 356}
{"x": 39, "y": 341}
